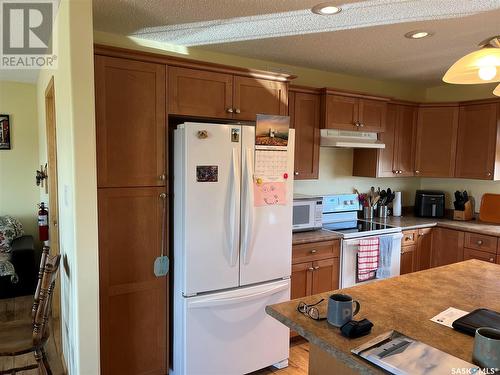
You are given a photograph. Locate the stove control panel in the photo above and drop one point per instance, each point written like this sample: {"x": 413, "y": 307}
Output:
{"x": 340, "y": 203}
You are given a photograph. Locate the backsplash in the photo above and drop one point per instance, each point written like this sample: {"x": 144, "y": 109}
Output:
{"x": 335, "y": 176}
{"x": 475, "y": 188}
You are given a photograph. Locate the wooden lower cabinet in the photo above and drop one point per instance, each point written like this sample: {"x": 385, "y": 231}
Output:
{"x": 133, "y": 301}
{"x": 481, "y": 255}
{"x": 447, "y": 247}
{"x": 424, "y": 246}
{"x": 315, "y": 269}
{"x": 408, "y": 263}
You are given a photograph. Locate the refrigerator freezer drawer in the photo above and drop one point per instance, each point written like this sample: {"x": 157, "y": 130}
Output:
{"x": 230, "y": 332}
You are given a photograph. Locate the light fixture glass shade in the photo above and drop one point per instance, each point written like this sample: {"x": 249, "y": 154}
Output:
{"x": 497, "y": 91}
{"x": 482, "y": 66}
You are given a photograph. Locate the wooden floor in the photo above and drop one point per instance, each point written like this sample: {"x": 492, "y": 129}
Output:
{"x": 298, "y": 362}
{"x": 20, "y": 309}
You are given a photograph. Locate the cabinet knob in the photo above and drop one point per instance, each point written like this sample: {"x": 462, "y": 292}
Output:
{"x": 296, "y": 173}
{"x": 229, "y": 110}
{"x": 356, "y": 124}
{"x": 417, "y": 172}
{"x": 314, "y": 251}
{"x": 488, "y": 174}
{"x": 310, "y": 269}
{"x": 362, "y": 124}
{"x": 316, "y": 268}
{"x": 420, "y": 234}
{"x": 162, "y": 177}
{"x": 492, "y": 259}
{"x": 479, "y": 242}
{"x": 238, "y": 110}
{"x": 163, "y": 195}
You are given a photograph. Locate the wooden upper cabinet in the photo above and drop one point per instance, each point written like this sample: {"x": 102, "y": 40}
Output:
{"x": 404, "y": 155}
{"x": 340, "y": 112}
{"x": 436, "y": 141}
{"x": 397, "y": 158}
{"x": 253, "y": 96}
{"x": 477, "y": 141}
{"x": 353, "y": 112}
{"x": 372, "y": 115}
{"x": 130, "y": 122}
{"x": 200, "y": 93}
{"x": 305, "y": 119}
{"x": 447, "y": 247}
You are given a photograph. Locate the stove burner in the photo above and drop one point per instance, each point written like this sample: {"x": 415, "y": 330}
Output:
{"x": 358, "y": 226}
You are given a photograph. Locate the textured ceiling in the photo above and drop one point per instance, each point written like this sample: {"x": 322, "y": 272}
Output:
{"x": 365, "y": 39}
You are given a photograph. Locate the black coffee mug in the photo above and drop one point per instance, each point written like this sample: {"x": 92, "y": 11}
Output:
{"x": 341, "y": 309}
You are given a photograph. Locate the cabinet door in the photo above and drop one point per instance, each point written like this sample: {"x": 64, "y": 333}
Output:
{"x": 259, "y": 96}
{"x": 325, "y": 276}
{"x": 408, "y": 259}
{"x": 306, "y": 123}
{"x": 477, "y": 254}
{"x": 341, "y": 112}
{"x": 133, "y": 301}
{"x": 477, "y": 138}
{"x": 199, "y": 93}
{"x": 447, "y": 247}
{"x": 385, "y": 167}
{"x": 424, "y": 245}
{"x": 301, "y": 280}
{"x": 404, "y": 154}
{"x": 130, "y": 122}
{"x": 372, "y": 115}
{"x": 436, "y": 141}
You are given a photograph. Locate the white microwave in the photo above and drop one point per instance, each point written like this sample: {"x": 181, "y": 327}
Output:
{"x": 307, "y": 213}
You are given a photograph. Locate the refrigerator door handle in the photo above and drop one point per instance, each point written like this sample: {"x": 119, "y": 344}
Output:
{"x": 248, "y": 222}
{"x": 233, "y": 249}
{"x": 214, "y": 301}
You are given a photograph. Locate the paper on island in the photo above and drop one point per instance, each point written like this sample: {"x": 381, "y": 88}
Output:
{"x": 448, "y": 316}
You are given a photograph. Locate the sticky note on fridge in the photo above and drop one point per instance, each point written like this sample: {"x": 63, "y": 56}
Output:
{"x": 269, "y": 194}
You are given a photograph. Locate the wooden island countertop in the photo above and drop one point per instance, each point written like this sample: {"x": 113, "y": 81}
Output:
{"x": 403, "y": 303}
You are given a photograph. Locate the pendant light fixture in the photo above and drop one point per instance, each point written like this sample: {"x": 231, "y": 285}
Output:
{"x": 481, "y": 66}
{"x": 497, "y": 91}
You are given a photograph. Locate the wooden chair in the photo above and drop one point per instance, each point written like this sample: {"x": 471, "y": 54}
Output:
{"x": 21, "y": 337}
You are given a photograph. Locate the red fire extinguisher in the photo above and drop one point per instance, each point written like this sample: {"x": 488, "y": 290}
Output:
{"x": 43, "y": 223}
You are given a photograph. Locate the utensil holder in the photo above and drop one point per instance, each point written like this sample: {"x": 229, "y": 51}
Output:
{"x": 383, "y": 212}
{"x": 464, "y": 215}
{"x": 368, "y": 212}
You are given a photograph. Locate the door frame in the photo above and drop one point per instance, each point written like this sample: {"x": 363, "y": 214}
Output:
{"x": 52, "y": 184}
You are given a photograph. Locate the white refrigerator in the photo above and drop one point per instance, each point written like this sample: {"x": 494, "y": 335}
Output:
{"x": 231, "y": 258}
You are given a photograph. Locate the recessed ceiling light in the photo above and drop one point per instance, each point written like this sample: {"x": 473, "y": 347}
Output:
{"x": 418, "y": 34}
{"x": 326, "y": 9}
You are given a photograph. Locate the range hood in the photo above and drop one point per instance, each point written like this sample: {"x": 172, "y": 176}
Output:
{"x": 349, "y": 139}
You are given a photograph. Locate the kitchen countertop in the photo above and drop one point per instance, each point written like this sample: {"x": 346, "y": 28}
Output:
{"x": 411, "y": 222}
{"x": 314, "y": 236}
{"x": 403, "y": 303}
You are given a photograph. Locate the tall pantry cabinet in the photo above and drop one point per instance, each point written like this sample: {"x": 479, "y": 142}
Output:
{"x": 132, "y": 205}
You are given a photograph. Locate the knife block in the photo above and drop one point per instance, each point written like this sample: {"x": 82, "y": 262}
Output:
{"x": 465, "y": 214}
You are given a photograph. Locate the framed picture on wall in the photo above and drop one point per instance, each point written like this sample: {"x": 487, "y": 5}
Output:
{"x": 4, "y": 132}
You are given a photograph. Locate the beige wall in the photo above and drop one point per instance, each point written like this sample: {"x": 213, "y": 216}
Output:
{"x": 18, "y": 192}
{"x": 75, "y": 119}
{"x": 335, "y": 176}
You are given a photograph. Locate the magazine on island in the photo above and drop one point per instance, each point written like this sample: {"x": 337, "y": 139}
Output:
{"x": 402, "y": 355}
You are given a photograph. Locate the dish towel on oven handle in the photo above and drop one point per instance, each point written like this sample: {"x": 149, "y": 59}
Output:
{"x": 368, "y": 258}
{"x": 385, "y": 247}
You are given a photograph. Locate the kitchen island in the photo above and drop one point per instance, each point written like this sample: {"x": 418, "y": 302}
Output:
{"x": 403, "y": 303}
